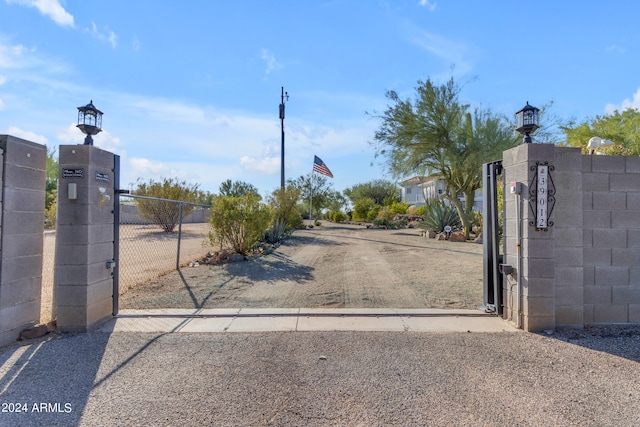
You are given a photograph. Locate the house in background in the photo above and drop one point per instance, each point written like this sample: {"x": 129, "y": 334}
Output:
{"x": 417, "y": 191}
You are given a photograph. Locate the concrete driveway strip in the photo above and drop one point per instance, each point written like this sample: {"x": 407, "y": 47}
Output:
{"x": 345, "y": 378}
{"x": 307, "y": 319}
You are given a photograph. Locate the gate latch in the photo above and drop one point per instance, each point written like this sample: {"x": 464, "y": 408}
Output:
{"x": 505, "y": 269}
{"x": 111, "y": 264}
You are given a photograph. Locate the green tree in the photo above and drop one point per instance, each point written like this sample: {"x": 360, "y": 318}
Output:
{"x": 237, "y": 189}
{"x": 361, "y": 209}
{"x": 284, "y": 204}
{"x": 51, "y": 188}
{"x": 336, "y": 202}
{"x": 382, "y": 192}
{"x": 164, "y": 210}
{"x": 239, "y": 222}
{"x": 315, "y": 187}
{"x": 207, "y": 198}
{"x": 623, "y": 128}
{"x": 437, "y": 134}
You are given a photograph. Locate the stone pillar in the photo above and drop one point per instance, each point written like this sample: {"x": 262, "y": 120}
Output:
{"x": 535, "y": 269}
{"x": 84, "y": 241}
{"x": 550, "y": 266}
{"x": 22, "y": 194}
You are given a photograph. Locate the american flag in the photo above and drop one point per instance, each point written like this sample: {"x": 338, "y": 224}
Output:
{"x": 320, "y": 167}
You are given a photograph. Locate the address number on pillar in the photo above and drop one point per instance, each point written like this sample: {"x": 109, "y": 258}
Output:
{"x": 542, "y": 193}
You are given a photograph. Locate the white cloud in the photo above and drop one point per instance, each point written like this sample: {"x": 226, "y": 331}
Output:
{"x": 25, "y": 134}
{"x": 270, "y": 59}
{"x": 268, "y": 163}
{"x": 193, "y": 172}
{"x": 108, "y": 142}
{"x": 430, "y": 6}
{"x": 614, "y": 48}
{"x": 625, "y": 105}
{"x": 14, "y": 57}
{"x": 2, "y": 105}
{"x": 71, "y": 134}
{"x": 104, "y": 140}
{"x": 3, "y": 80}
{"x": 106, "y": 35}
{"x": 50, "y": 8}
{"x": 150, "y": 168}
{"x": 454, "y": 54}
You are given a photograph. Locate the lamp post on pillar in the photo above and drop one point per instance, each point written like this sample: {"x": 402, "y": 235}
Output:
{"x": 89, "y": 121}
{"x": 282, "y": 98}
{"x": 528, "y": 121}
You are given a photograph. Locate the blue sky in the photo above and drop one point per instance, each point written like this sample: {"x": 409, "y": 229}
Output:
{"x": 190, "y": 89}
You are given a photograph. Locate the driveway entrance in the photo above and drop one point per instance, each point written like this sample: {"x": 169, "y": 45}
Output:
{"x": 331, "y": 266}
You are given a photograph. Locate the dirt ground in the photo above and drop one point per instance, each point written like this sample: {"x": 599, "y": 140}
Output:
{"x": 333, "y": 265}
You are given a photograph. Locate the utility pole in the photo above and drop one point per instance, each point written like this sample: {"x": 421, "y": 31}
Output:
{"x": 282, "y": 98}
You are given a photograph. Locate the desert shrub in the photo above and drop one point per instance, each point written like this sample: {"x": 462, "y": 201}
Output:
{"x": 381, "y": 222}
{"x": 412, "y": 210}
{"x": 338, "y": 217}
{"x": 438, "y": 215}
{"x": 386, "y": 212}
{"x": 166, "y": 212}
{"x": 50, "y": 209}
{"x": 239, "y": 222}
{"x": 276, "y": 232}
{"x": 361, "y": 209}
{"x": 401, "y": 223}
{"x": 317, "y": 223}
{"x": 285, "y": 209}
{"x": 373, "y": 212}
{"x": 420, "y": 210}
{"x": 477, "y": 222}
{"x": 399, "y": 208}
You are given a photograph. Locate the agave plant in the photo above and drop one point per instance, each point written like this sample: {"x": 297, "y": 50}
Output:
{"x": 438, "y": 216}
{"x": 276, "y": 232}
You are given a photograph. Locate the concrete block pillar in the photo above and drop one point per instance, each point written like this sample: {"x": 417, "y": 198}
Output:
{"x": 22, "y": 194}
{"x": 84, "y": 241}
{"x": 529, "y": 292}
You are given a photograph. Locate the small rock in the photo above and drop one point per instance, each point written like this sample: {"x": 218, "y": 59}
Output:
{"x": 38, "y": 331}
{"x": 457, "y": 236}
{"x": 322, "y": 358}
{"x": 236, "y": 258}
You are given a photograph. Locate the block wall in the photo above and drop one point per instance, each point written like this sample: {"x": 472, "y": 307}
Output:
{"x": 584, "y": 269}
{"x": 22, "y": 197}
{"x": 611, "y": 205}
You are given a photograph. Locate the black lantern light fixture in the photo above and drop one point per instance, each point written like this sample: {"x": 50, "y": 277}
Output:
{"x": 89, "y": 121}
{"x": 528, "y": 120}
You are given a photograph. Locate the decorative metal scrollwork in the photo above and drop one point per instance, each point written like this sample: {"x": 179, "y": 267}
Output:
{"x": 542, "y": 194}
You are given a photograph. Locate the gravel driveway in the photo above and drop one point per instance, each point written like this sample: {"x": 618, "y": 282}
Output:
{"x": 581, "y": 378}
{"x": 331, "y": 266}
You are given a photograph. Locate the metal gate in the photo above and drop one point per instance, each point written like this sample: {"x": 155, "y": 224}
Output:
{"x": 116, "y": 231}
{"x": 491, "y": 236}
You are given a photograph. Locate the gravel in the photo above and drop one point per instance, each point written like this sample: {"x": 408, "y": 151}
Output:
{"x": 567, "y": 378}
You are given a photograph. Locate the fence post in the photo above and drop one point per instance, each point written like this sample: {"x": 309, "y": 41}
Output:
{"x": 179, "y": 236}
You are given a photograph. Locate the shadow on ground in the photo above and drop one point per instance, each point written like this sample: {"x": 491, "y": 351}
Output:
{"x": 618, "y": 340}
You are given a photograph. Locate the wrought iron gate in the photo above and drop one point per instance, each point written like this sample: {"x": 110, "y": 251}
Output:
{"x": 491, "y": 236}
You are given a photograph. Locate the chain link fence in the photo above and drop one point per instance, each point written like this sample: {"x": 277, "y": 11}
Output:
{"x": 158, "y": 236}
